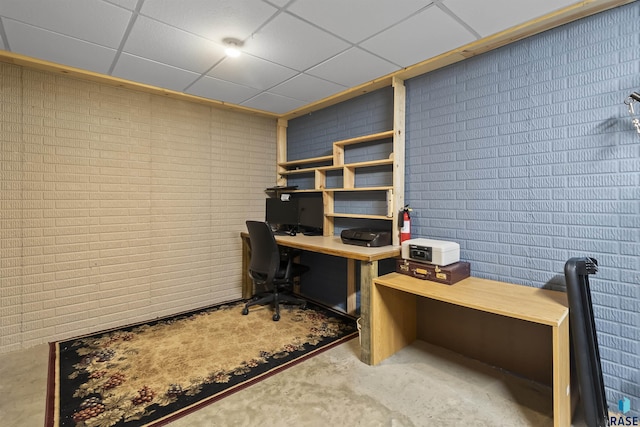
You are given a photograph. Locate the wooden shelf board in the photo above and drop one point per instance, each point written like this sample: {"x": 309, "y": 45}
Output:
{"x": 330, "y": 168}
{"x": 360, "y": 216}
{"x": 308, "y": 190}
{"x": 298, "y": 171}
{"x": 384, "y": 188}
{"x": 306, "y": 161}
{"x": 364, "y": 138}
{"x": 369, "y": 163}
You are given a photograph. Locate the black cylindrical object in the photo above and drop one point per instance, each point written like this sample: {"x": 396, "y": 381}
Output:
{"x": 585, "y": 340}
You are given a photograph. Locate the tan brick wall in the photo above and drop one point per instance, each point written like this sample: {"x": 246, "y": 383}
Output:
{"x": 119, "y": 206}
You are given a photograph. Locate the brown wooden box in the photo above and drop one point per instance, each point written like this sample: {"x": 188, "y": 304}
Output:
{"x": 448, "y": 274}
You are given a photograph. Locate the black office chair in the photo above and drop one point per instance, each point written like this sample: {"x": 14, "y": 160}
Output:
{"x": 271, "y": 268}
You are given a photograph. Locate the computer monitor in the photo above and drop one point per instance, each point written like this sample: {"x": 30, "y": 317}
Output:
{"x": 310, "y": 214}
{"x": 280, "y": 213}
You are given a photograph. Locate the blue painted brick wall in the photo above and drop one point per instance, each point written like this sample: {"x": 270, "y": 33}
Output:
{"x": 312, "y": 135}
{"x": 527, "y": 157}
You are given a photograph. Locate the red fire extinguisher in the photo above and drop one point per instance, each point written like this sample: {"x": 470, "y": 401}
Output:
{"x": 405, "y": 224}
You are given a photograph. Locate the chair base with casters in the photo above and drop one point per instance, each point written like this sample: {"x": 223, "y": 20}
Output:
{"x": 276, "y": 300}
{"x": 272, "y": 269}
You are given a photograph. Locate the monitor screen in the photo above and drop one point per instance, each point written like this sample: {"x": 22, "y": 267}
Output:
{"x": 283, "y": 213}
{"x": 310, "y": 213}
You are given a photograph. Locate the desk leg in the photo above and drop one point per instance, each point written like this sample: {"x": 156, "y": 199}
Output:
{"x": 351, "y": 287}
{"x": 368, "y": 272}
{"x": 247, "y": 283}
{"x": 561, "y": 375}
{"x": 393, "y": 321}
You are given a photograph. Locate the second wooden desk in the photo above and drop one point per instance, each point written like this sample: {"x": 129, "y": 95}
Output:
{"x": 394, "y": 317}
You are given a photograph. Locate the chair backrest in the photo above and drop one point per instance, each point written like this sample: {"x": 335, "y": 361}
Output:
{"x": 265, "y": 254}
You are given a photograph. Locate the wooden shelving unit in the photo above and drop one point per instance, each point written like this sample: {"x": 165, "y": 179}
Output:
{"x": 319, "y": 166}
{"x": 334, "y": 190}
{"x": 360, "y": 216}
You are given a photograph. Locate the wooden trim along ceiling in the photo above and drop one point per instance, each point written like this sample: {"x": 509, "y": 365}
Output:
{"x": 555, "y": 19}
{"x": 552, "y": 20}
{"x": 38, "y": 64}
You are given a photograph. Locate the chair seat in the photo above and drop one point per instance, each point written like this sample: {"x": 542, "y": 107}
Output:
{"x": 296, "y": 271}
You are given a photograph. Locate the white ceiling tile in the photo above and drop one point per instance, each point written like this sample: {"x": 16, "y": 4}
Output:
{"x": 127, "y": 4}
{"x": 272, "y": 102}
{"x": 278, "y": 3}
{"x": 482, "y": 16}
{"x": 53, "y": 47}
{"x": 356, "y": 20}
{"x": 353, "y": 67}
{"x": 142, "y": 70}
{"x": 296, "y": 51}
{"x": 307, "y": 88}
{"x": 212, "y": 19}
{"x": 209, "y": 87}
{"x": 251, "y": 71}
{"x": 162, "y": 43}
{"x": 293, "y": 43}
{"x": 90, "y": 20}
{"x": 422, "y": 36}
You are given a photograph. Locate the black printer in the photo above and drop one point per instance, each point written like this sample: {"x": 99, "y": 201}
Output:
{"x": 365, "y": 237}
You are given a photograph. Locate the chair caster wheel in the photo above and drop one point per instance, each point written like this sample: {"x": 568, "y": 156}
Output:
{"x": 276, "y": 317}
{"x": 245, "y": 311}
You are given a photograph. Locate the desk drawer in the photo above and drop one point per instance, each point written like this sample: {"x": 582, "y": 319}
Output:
{"x": 448, "y": 274}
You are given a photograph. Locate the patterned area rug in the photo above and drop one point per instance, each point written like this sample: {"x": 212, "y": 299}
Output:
{"x": 150, "y": 374}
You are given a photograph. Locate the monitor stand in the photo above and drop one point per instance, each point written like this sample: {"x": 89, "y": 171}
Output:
{"x": 284, "y": 231}
{"x": 312, "y": 232}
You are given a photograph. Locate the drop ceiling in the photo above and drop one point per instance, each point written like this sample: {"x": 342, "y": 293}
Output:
{"x": 295, "y": 52}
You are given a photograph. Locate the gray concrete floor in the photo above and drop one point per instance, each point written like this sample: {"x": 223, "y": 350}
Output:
{"x": 421, "y": 385}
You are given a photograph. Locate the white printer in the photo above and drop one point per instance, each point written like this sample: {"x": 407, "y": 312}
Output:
{"x": 438, "y": 252}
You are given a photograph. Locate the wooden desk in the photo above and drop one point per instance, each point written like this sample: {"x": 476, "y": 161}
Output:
{"x": 332, "y": 245}
{"x": 393, "y": 319}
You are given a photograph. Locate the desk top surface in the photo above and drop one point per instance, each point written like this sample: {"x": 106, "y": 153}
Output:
{"x": 332, "y": 245}
{"x": 518, "y": 301}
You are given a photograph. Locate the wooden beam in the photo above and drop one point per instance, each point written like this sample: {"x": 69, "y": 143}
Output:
{"x": 65, "y": 70}
{"x": 340, "y": 97}
{"x": 519, "y": 32}
{"x": 281, "y": 151}
{"x": 399, "y": 106}
{"x": 551, "y": 20}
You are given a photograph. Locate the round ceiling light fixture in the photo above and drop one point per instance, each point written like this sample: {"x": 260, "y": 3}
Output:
{"x": 232, "y": 47}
